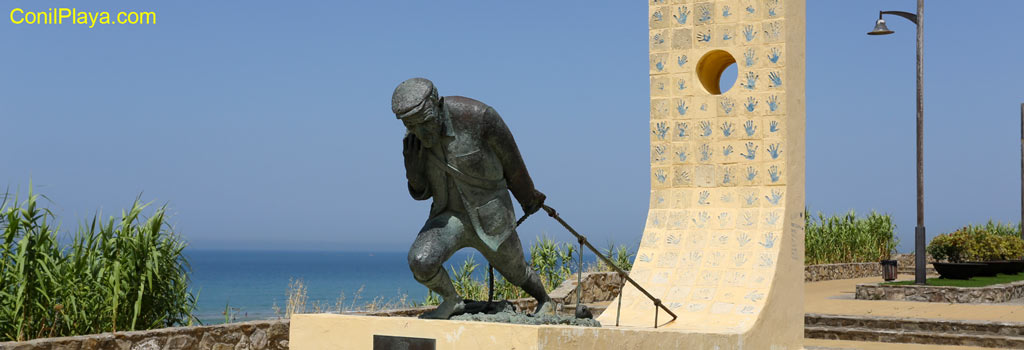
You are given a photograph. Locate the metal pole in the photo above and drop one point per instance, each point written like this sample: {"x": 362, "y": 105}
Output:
{"x": 1021, "y": 223}
{"x": 919, "y": 232}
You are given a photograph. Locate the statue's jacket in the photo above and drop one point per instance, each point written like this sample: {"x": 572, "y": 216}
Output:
{"x": 484, "y": 164}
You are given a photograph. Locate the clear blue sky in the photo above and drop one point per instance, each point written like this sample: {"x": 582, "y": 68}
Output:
{"x": 267, "y": 124}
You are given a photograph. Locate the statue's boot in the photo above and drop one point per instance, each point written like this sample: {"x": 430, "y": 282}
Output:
{"x": 442, "y": 285}
{"x": 535, "y": 288}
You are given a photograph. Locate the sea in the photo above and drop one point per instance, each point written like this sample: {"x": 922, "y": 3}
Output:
{"x": 248, "y": 284}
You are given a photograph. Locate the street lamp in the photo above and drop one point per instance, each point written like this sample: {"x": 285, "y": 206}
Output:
{"x": 881, "y": 29}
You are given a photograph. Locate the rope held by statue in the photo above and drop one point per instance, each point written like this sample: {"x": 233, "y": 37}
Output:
{"x": 583, "y": 242}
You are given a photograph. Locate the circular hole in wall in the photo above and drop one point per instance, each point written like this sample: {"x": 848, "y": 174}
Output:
{"x": 717, "y": 71}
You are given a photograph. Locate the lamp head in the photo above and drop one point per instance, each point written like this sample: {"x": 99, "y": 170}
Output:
{"x": 880, "y": 28}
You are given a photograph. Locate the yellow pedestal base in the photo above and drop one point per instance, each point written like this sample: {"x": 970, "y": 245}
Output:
{"x": 326, "y": 331}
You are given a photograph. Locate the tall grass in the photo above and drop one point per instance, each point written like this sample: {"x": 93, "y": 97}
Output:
{"x": 119, "y": 274}
{"x": 847, "y": 238}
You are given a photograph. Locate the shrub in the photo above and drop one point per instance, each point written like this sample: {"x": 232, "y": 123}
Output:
{"x": 126, "y": 274}
{"x": 976, "y": 243}
{"x": 841, "y": 239}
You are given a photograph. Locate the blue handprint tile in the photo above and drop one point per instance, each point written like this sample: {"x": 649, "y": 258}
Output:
{"x": 772, "y": 31}
{"x": 659, "y": 41}
{"x": 726, "y": 197}
{"x": 679, "y": 84}
{"x": 677, "y": 220}
{"x": 727, "y": 151}
{"x": 681, "y": 15}
{"x": 660, "y": 17}
{"x": 766, "y": 260}
{"x": 659, "y": 61}
{"x": 748, "y": 220}
{"x": 750, "y": 199}
{"x": 703, "y": 37}
{"x": 774, "y": 8}
{"x": 739, "y": 259}
{"x": 751, "y": 151}
{"x": 705, "y": 153}
{"x": 728, "y": 176}
{"x": 774, "y": 79}
{"x": 681, "y": 108}
{"x": 750, "y": 106}
{"x": 660, "y": 153}
{"x": 775, "y": 175}
{"x": 660, "y": 84}
{"x": 727, "y": 106}
{"x": 749, "y": 58}
{"x": 774, "y": 104}
{"x": 660, "y": 176}
{"x": 773, "y": 220}
{"x": 727, "y": 128}
{"x": 775, "y": 197}
{"x": 750, "y": 128}
{"x": 704, "y": 13}
{"x": 750, "y": 80}
{"x": 705, "y": 129}
{"x": 681, "y": 60}
{"x": 659, "y": 130}
{"x": 775, "y": 56}
{"x": 682, "y": 176}
{"x": 682, "y": 132}
{"x": 659, "y": 200}
{"x": 700, "y": 221}
{"x": 723, "y": 220}
{"x": 749, "y": 33}
{"x": 750, "y": 174}
{"x": 704, "y": 198}
{"x": 742, "y": 239}
{"x": 726, "y": 11}
{"x": 775, "y": 150}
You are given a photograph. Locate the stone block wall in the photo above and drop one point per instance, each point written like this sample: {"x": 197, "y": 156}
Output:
{"x": 992, "y": 294}
{"x": 255, "y": 335}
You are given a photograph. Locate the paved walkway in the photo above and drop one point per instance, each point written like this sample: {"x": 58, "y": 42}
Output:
{"x": 822, "y": 344}
{"x": 837, "y": 298}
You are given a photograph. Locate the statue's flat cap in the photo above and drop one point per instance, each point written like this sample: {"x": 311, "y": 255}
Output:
{"x": 410, "y": 96}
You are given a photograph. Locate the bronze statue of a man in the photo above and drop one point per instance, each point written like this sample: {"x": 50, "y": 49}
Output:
{"x": 459, "y": 151}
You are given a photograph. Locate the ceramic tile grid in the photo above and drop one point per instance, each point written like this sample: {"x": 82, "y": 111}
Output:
{"x": 724, "y": 233}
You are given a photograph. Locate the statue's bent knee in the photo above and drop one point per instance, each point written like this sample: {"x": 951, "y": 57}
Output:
{"x": 423, "y": 266}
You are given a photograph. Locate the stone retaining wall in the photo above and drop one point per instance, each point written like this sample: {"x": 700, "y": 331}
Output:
{"x": 991, "y": 294}
{"x": 827, "y": 272}
{"x": 255, "y": 335}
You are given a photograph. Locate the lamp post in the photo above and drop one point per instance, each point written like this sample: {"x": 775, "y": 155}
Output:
{"x": 881, "y": 29}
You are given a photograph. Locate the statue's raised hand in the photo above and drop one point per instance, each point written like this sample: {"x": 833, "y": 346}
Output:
{"x": 412, "y": 150}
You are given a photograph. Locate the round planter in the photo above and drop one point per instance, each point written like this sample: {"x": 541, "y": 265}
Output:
{"x": 987, "y": 270}
{"x": 1009, "y": 267}
{"x": 960, "y": 271}
{"x": 889, "y": 270}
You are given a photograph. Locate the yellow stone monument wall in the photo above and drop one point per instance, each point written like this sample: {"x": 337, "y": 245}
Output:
{"x": 723, "y": 245}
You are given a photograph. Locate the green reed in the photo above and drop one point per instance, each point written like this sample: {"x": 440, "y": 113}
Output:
{"x": 847, "y": 238}
{"x": 114, "y": 275}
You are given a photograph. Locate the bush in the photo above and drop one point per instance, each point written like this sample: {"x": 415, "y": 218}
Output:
{"x": 977, "y": 243}
{"x": 842, "y": 239}
{"x": 126, "y": 274}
